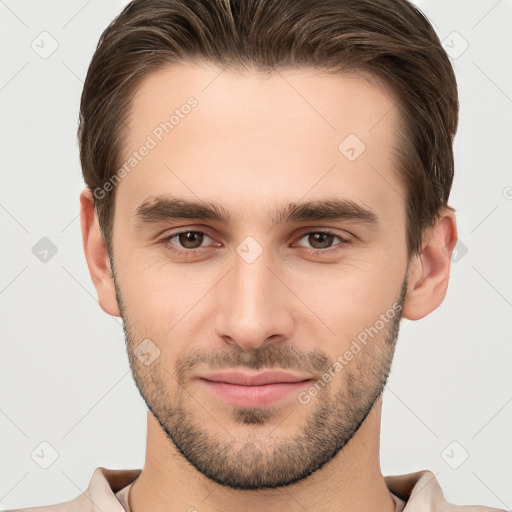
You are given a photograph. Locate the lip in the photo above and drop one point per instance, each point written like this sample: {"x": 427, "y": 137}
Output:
{"x": 244, "y": 390}
{"x": 247, "y": 379}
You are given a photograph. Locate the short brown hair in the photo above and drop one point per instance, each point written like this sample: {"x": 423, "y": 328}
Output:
{"x": 390, "y": 40}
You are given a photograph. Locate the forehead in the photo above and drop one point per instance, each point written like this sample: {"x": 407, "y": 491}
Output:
{"x": 325, "y": 102}
{"x": 261, "y": 136}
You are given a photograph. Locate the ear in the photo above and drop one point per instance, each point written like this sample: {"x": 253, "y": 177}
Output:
{"x": 429, "y": 271}
{"x": 96, "y": 255}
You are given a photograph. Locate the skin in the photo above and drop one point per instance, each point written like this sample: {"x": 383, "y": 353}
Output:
{"x": 255, "y": 143}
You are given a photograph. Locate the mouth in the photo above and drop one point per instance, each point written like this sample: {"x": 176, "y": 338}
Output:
{"x": 244, "y": 390}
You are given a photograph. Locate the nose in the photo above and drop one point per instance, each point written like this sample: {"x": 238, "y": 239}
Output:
{"x": 253, "y": 306}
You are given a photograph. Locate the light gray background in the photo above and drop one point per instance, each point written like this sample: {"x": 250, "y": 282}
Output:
{"x": 64, "y": 374}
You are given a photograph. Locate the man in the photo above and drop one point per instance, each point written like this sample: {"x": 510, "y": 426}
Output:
{"x": 267, "y": 196}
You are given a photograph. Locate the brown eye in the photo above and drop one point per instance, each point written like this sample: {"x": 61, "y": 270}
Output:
{"x": 321, "y": 240}
{"x": 190, "y": 239}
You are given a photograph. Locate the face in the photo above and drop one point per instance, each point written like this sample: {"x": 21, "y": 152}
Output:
{"x": 293, "y": 257}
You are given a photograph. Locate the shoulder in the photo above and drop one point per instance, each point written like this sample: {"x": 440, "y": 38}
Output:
{"x": 421, "y": 491}
{"x": 79, "y": 504}
{"x": 99, "y": 495}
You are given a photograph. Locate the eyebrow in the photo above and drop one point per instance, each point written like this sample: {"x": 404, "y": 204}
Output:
{"x": 156, "y": 209}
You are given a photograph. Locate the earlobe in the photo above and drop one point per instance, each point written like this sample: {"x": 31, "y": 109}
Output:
{"x": 429, "y": 271}
{"x": 96, "y": 255}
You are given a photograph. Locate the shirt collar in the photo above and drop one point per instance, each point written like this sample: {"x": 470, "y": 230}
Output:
{"x": 420, "y": 490}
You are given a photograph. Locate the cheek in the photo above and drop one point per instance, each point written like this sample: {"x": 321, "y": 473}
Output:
{"x": 345, "y": 308}
{"x": 349, "y": 298}
{"x": 166, "y": 300}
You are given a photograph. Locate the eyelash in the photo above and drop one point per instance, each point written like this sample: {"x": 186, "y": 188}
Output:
{"x": 190, "y": 252}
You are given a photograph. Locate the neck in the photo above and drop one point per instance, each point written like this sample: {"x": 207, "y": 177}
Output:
{"x": 352, "y": 480}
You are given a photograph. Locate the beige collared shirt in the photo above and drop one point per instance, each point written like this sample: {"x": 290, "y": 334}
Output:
{"x": 109, "y": 489}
